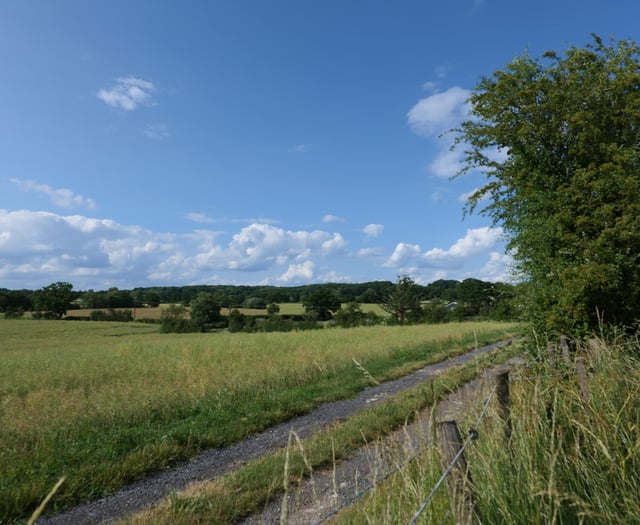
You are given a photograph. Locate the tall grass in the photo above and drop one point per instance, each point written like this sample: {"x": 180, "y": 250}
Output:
{"x": 105, "y": 403}
{"x": 568, "y": 461}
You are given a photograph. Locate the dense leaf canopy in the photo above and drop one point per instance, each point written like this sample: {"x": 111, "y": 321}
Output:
{"x": 559, "y": 140}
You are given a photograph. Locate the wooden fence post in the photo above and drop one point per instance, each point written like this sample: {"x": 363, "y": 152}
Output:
{"x": 581, "y": 372}
{"x": 504, "y": 410}
{"x": 551, "y": 354}
{"x": 460, "y": 484}
{"x": 564, "y": 343}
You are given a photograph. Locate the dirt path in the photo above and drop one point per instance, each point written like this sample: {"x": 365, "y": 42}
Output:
{"x": 217, "y": 462}
{"x": 321, "y": 496}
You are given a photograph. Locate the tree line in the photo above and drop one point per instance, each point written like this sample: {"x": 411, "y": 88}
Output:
{"x": 405, "y": 301}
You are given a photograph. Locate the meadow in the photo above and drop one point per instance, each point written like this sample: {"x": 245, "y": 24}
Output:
{"x": 107, "y": 403}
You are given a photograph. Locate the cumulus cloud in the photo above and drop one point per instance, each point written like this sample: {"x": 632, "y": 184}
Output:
{"x": 128, "y": 93}
{"x": 373, "y": 230}
{"x": 37, "y": 248}
{"x": 62, "y": 197}
{"x": 433, "y": 116}
{"x": 298, "y": 273}
{"x": 499, "y": 268}
{"x": 332, "y": 218}
{"x": 475, "y": 241}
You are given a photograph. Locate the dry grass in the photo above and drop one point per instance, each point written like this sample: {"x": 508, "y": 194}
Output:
{"x": 103, "y": 403}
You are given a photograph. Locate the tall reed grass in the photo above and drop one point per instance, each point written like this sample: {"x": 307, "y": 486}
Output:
{"x": 568, "y": 461}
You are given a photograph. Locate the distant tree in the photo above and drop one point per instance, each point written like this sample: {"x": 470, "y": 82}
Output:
{"x": 401, "y": 299}
{"x": 151, "y": 298}
{"x": 273, "y": 309}
{"x": 254, "y": 302}
{"x": 174, "y": 319}
{"x": 477, "y": 296}
{"x": 236, "y": 321}
{"x": 119, "y": 298}
{"x": 15, "y": 301}
{"x": 322, "y": 303}
{"x": 54, "y": 299}
{"x": 204, "y": 311}
{"x": 349, "y": 315}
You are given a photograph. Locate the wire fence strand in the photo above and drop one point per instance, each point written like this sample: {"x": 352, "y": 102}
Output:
{"x": 473, "y": 434}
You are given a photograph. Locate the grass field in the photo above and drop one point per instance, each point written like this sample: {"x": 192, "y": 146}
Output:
{"x": 106, "y": 403}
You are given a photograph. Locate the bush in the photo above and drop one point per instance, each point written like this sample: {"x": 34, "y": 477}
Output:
{"x": 178, "y": 325}
{"x": 13, "y": 313}
{"x": 111, "y": 315}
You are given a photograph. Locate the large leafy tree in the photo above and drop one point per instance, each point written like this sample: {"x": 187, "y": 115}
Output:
{"x": 54, "y": 299}
{"x": 204, "y": 310}
{"x": 559, "y": 140}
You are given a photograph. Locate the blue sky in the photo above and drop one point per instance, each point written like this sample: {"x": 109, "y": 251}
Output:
{"x": 272, "y": 142}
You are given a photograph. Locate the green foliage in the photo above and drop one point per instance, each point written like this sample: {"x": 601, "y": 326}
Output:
{"x": 254, "y": 302}
{"x": 173, "y": 320}
{"x": 352, "y": 315}
{"x": 273, "y": 309}
{"x": 236, "y": 321}
{"x": 13, "y": 313}
{"x": 402, "y": 299}
{"x": 565, "y": 185}
{"x": 204, "y": 311}
{"x": 54, "y": 299}
{"x": 111, "y": 315}
{"x": 321, "y": 303}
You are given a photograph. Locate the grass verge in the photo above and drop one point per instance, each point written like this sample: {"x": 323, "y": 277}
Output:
{"x": 569, "y": 460}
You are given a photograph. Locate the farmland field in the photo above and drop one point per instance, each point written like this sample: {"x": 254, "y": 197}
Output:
{"x": 156, "y": 312}
{"x": 106, "y": 403}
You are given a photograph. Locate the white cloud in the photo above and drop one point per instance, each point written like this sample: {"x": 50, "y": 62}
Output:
{"x": 332, "y": 218}
{"x": 373, "y": 230}
{"x": 199, "y": 217}
{"x": 156, "y": 131}
{"x": 369, "y": 252}
{"x": 128, "y": 93}
{"x": 446, "y": 163}
{"x": 61, "y": 197}
{"x": 300, "y": 148}
{"x": 475, "y": 241}
{"x": 432, "y": 117}
{"x": 297, "y": 273}
{"x": 499, "y": 268}
{"x": 439, "y": 112}
{"x": 37, "y": 248}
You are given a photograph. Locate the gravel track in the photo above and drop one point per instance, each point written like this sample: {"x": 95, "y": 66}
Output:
{"x": 217, "y": 462}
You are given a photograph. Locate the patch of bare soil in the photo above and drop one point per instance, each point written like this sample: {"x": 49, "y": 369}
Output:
{"x": 325, "y": 492}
